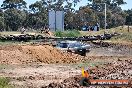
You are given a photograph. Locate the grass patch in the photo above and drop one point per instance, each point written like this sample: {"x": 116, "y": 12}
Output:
{"x": 73, "y": 33}
{"x": 12, "y": 43}
{"x": 4, "y": 66}
{"x": 4, "y": 83}
{"x": 89, "y": 63}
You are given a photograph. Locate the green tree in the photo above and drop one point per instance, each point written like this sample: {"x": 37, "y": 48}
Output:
{"x": 14, "y": 19}
{"x": 39, "y": 17}
{"x": 36, "y": 7}
{"x": 115, "y": 15}
{"x": 129, "y": 17}
{"x": 17, "y": 4}
{"x": 2, "y": 25}
{"x": 14, "y": 14}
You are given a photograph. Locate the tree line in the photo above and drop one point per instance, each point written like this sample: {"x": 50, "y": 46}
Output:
{"x": 15, "y": 14}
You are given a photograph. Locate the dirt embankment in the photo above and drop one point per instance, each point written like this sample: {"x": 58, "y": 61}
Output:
{"x": 34, "y": 53}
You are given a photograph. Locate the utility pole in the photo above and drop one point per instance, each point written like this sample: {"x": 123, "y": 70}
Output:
{"x": 105, "y": 14}
{"x": 105, "y": 17}
{"x": 55, "y": 19}
{"x": 3, "y": 22}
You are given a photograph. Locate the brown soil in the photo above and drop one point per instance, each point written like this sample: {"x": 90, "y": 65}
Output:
{"x": 31, "y": 53}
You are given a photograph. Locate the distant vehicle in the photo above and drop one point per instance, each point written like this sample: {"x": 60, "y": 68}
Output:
{"x": 84, "y": 28}
{"x": 74, "y": 46}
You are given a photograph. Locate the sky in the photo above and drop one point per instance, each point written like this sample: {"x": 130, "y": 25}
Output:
{"x": 83, "y": 3}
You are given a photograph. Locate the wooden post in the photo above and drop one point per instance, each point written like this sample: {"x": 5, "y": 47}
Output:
{"x": 129, "y": 26}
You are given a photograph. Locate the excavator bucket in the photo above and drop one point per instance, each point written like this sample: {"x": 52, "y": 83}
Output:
{"x": 82, "y": 72}
{"x": 85, "y": 78}
{"x": 85, "y": 73}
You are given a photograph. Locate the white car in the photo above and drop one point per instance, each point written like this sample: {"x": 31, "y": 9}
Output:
{"x": 74, "y": 46}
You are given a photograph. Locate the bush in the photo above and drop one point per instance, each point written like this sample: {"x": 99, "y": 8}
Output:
{"x": 73, "y": 33}
{"x": 58, "y": 33}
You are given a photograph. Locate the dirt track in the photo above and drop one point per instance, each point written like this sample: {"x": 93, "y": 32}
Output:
{"x": 38, "y": 75}
{"x": 37, "y": 66}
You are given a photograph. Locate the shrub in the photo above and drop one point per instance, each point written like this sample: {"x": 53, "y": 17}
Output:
{"x": 58, "y": 33}
{"x": 73, "y": 33}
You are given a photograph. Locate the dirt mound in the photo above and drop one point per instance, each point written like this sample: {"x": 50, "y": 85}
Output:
{"x": 48, "y": 54}
{"x": 13, "y": 55}
{"x": 31, "y": 53}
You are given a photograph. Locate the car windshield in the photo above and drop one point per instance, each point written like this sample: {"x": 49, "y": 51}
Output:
{"x": 72, "y": 45}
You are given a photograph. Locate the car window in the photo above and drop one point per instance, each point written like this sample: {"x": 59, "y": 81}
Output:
{"x": 71, "y": 45}
{"x": 77, "y": 44}
{"x": 63, "y": 45}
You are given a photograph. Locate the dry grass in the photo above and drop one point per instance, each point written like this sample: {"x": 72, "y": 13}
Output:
{"x": 18, "y": 33}
{"x": 86, "y": 33}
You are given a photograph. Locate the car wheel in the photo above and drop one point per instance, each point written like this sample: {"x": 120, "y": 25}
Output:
{"x": 82, "y": 52}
